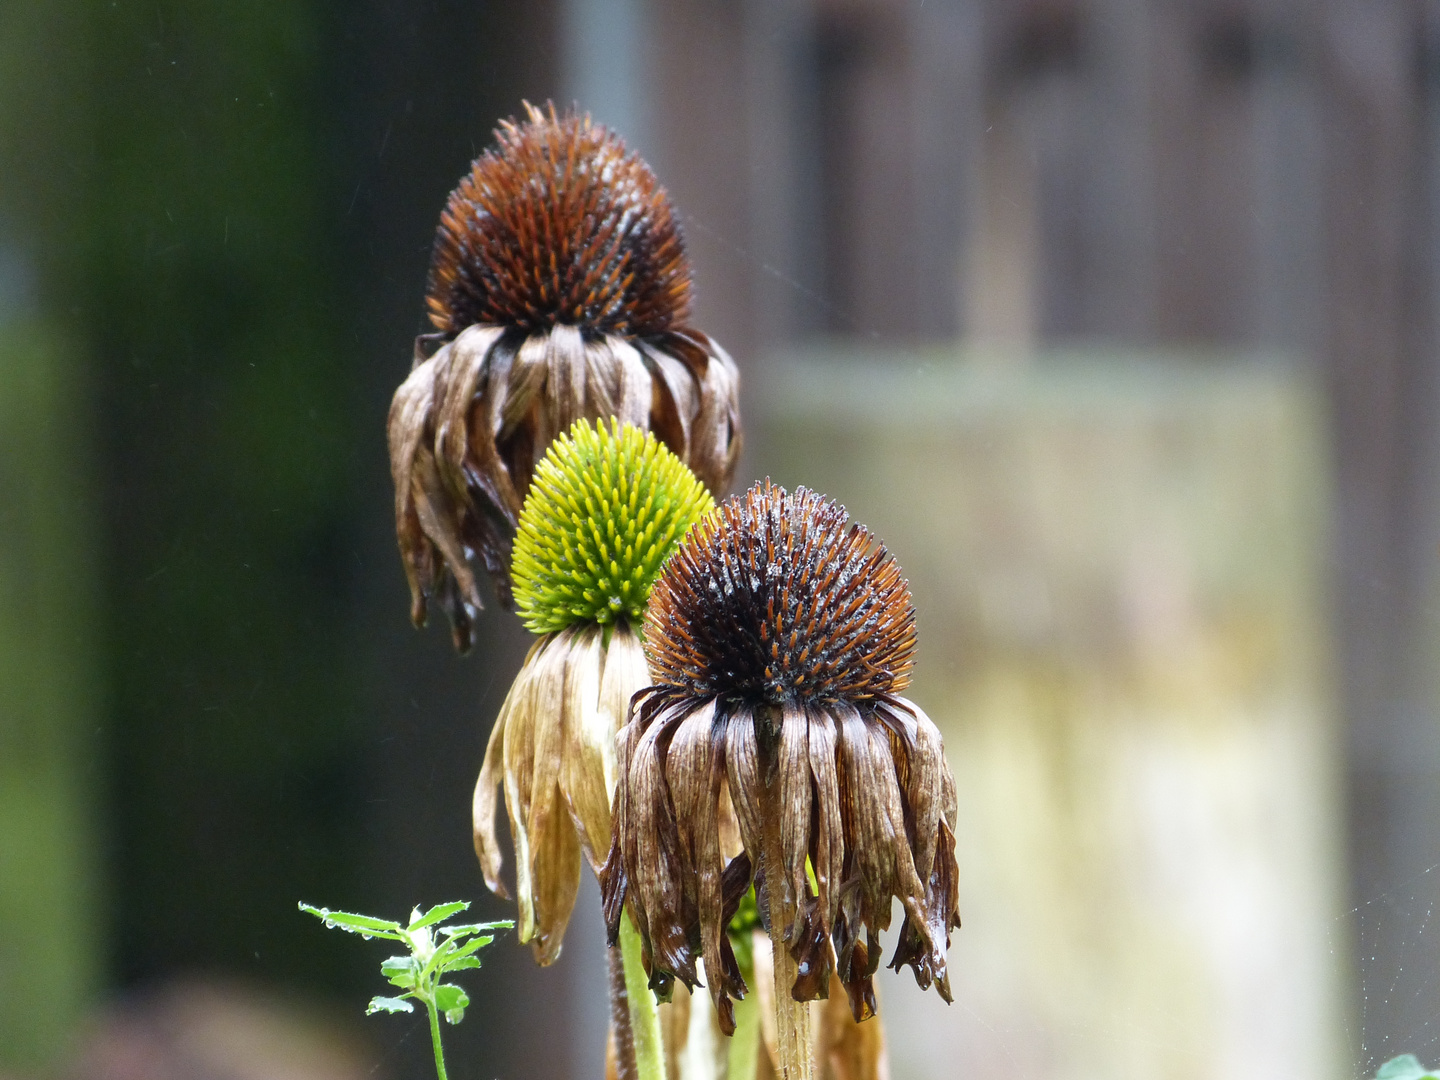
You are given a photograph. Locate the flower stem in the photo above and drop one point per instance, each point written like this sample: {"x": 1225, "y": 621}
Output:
{"x": 644, "y": 1020}
{"x": 435, "y": 1039}
{"x": 622, "y": 1037}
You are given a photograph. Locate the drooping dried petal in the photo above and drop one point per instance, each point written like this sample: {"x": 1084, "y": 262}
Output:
{"x": 588, "y": 766}
{"x": 553, "y": 748}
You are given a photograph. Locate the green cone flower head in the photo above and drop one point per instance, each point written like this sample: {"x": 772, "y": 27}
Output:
{"x": 606, "y": 508}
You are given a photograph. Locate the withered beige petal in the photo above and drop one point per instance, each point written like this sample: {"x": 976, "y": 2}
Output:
{"x": 924, "y": 789}
{"x": 556, "y": 851}
{"x": 588, "y": 766}
{"x": 564, "y": 399}
{"x": 715, "y": 441}
{"x": 829, "y": 827}
{"x": 867, "y": 788}
{"x": 794, "y": 769}
{"x": 554, "y": 874}
{"x": 742, "y": 773}
{"x": 634, "y": 386}
{"x": 484, "y": 804}
{"x": 517, "y": 755}
{"x": 470, "y": 355}
{"x": 658, "y": 862}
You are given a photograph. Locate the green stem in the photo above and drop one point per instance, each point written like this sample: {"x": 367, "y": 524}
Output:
{"x": 435, "y": 1038}
{"x": 745, "y": 1043}
{"x": 644, "y": 1019}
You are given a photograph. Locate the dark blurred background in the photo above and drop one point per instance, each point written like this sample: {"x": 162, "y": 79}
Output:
{"x": 215, "y": 222}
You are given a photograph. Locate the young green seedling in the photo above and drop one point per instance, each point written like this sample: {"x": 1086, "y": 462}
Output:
{"x": 457, "y": 948}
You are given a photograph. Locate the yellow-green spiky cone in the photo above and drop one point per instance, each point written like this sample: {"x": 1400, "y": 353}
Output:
{"x": 607, "y": 507}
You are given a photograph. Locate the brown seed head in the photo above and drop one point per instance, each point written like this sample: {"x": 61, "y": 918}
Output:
{"x": 559, "y": 225}
{"x": 772, "y": 598}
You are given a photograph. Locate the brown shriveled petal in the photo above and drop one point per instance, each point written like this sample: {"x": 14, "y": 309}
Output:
{"x": 658, "y": 860}
{"x": 721, "y": 968}
{"x": 587, "y": 767}
{"x": 742, "y": 772}
{"x": 791, "y": 884}
{"x": 697, "y": 403}
{"x": 427, "y": 521}
{"x": 923, "y": 946}
{"x": 694, "y": 794}
{"x": 924, "y": 761}
{"x": 813, "y": 953}
{"x": 828, "y": 854}
{"x": 538, "y": 823}
{"x": 624, "y": 843}
{"x": 487, "y": 845}
{"x": 869, "y": 804}
{"x": 469, "y": 426}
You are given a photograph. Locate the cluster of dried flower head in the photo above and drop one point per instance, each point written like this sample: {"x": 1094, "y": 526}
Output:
{"x": 560, "y": 290}
{"x": 766, "y": 743}
{"x": 778, "y": 641}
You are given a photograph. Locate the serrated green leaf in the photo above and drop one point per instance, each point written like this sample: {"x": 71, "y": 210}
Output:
{"x": 1404, "y": 1067}
{"x": 357, "y": 924}
{"x": 471, "y": 947}
{"x": 449, "y": 996}
{"x": 464, "y": 963}
{"x": 401, "y": 971}
{"x": 389, "y": 1005}
{"x": 451, "y": 1000}
{"x": 439, "y": 913}
{"x": 462, "y": 929}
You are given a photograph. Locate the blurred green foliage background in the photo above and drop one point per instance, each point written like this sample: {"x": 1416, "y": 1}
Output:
{"x": 214, "y": 227}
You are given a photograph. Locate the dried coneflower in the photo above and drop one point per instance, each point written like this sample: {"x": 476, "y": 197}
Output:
{"x": 607, "y": 506}
{"x": 559, "y": 289}
{"x": 779, "y": 640}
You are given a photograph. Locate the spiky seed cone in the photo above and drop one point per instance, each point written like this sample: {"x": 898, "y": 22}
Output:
{"x": 607, "y": 506}
{"x": 560, "y": 290}
{"x": 559, "y": 224}
{"x": 774, "y": 599}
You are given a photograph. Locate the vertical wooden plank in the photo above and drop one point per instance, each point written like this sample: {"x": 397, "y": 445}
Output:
{"x": 948, "y": 125}
{"x": 1118, "y": 565}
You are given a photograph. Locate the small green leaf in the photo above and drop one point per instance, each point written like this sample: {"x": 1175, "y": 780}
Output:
{"x": 1404, "y": 1067}
{"x": 462, "y": 929}
{"x": 464, "y": 963}
{"x": 439, "y": 913}
{"x": 400, "y": 970}
{"x": 356, "y": 924}
{"x": 389, "y": 1005}
{"x": 470, "y": 947}
{"x": 451, "y": 1000}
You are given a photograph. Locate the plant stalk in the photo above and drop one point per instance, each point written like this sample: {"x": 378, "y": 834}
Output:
{"x": 622, "y": 1036}
{"x": 644, "y": 1020}
{"x": 435, "y": 1039}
